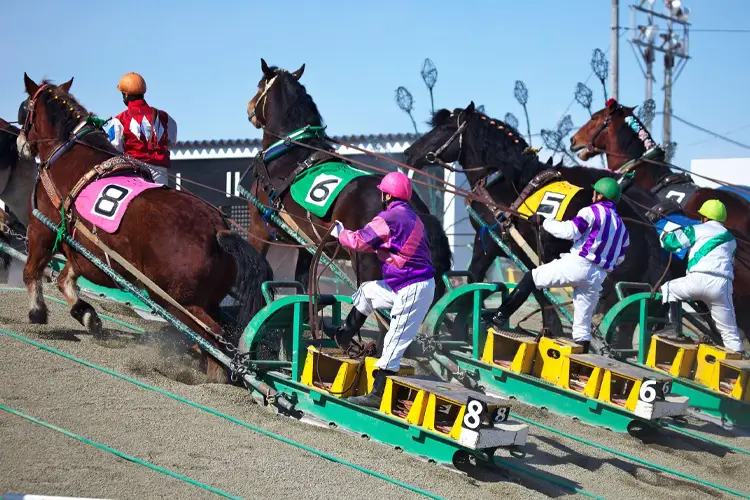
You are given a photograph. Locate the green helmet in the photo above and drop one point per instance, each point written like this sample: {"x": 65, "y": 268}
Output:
{"x": 714, "y": 210}
{"x": 609, "y": 188}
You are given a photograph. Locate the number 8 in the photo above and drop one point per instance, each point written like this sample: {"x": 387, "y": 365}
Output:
{"x": 473, "y": 412}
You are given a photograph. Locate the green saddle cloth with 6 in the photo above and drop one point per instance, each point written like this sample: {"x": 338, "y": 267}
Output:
{"x": 316, "y": 188}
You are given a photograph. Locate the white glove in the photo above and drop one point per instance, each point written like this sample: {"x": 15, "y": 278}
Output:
{"x": 337, "y": 228}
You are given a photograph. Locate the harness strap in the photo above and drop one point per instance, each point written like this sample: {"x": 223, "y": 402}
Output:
{"x": 679, "y": 178}
{"x": 108, "y": 167}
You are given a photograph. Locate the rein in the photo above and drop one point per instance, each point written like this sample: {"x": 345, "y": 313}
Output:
{"x": 264, "y": 96}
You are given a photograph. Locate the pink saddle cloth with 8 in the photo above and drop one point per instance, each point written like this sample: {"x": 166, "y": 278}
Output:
{"x": 105, "y": 201}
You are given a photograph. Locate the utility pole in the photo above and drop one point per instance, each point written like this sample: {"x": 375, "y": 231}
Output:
{"x": 674, "y": 45}
{"x": 615, "y": 68}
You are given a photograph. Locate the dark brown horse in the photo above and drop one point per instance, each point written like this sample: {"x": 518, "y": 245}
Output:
{"x": 608, "y": 133}
{"x": 181, "y": 243}
{"x": 281, "y": 106}
{"x": 488, "y": 148}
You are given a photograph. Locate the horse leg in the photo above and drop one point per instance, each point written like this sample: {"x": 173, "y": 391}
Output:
{"x": 41, "y": 241}
{"x": 481, "y": 261}
{"x": 82, "y": 311}
{"x": 215, "y": 371}
{"x": 302, "y": 271}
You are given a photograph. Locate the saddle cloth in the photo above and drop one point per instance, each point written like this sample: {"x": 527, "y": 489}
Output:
{"x": 105, "y": 201}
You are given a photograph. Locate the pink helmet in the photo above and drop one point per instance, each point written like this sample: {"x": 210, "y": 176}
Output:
{"x": 397, "y": 185}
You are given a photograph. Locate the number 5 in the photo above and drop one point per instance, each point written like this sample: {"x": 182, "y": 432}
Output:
{"x": 550, "y": 204}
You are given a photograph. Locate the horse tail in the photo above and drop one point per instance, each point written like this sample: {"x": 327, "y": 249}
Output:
{"x": 252, "y": 271}
{"x": 440, "y": 250}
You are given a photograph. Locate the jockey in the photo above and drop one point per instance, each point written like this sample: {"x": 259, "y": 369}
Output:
{"x": 141, "y": 131}
{"x": 600, "y": 241}
{"x": 397, "y": 236}
{"x": 710, "y": 271}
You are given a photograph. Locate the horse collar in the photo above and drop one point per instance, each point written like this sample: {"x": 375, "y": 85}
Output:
{"x": 285, "y": 144}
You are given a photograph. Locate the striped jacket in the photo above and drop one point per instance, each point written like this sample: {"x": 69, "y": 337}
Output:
{"x": 598, "y": 234}
{"x": 398, "y": 237}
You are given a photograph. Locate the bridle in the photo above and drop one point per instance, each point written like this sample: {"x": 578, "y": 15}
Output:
{"x": 434, "y": 157}
{"x": 264, "y": 96}
{"x": 607, "y": 121}
{"x": 31, "y": 110}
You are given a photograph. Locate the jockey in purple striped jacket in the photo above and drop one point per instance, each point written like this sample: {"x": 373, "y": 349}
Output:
{"x": 397, "y": 236}
{"x": 600, "y": 241}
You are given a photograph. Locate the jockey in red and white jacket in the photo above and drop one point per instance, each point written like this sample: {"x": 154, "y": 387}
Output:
{"x": 141, "y": 131}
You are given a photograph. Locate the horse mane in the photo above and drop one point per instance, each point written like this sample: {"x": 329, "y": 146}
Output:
{"x": 297, "y": 107}
{"x": 628, "y": 141}
{"x": 497, "y": 140}
{"x": 8, "y": 148}
{"x": 65, "y": 113}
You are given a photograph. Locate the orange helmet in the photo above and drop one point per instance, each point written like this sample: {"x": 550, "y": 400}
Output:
{"x": 132, "y": 83}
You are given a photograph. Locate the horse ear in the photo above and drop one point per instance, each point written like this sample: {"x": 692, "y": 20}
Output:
{"x": 65, "y": 87}
{"x": 264, "y": 67}
{"x": 298, "y": 74}
{"x": 630, "y": 110}
{"x": 31, "y": 86}
{"x": 470, "y": 107}
{"x": 549, "y": 161}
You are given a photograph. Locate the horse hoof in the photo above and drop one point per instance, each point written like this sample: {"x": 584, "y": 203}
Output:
{"x": 38, "y": 316}
{"x": 93, "y": 323}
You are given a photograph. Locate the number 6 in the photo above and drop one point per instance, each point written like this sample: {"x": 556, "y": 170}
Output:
{"x": 648, "y": 391}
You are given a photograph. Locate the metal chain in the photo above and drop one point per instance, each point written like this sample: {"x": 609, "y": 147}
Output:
{"x": 5, "y": 228}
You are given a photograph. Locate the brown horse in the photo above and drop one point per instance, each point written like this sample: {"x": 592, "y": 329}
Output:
{"x": 180, "y": 242}
{"x": 281, "y": 106}
{"x": 611, "y": 131}
{"x": 607, "y": 132}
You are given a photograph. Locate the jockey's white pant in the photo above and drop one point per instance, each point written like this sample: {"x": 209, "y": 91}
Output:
{"x": 585, "y": 277}
{"x": 408, "y": 307}
{"x": 716, "y": 292}
{"x": 159, "y": 174}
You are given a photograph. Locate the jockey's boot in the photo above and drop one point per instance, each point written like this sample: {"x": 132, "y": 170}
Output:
{"x": 585, "y": 344}
{"x": 344, "y": 334}
{"x": 515, "y": 300}
{"x": 671, "y": 327}
{"x": 373, "y": 399}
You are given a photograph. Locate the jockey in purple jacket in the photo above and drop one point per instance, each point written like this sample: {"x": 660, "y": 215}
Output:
{"x": 397, "y": 236}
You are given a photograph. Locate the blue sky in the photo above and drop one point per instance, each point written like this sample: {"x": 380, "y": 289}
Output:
{"x": 201, "y": 60}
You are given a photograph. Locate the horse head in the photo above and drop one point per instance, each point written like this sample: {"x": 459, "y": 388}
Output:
{"x": 281, "y": 103}
{"x": 468, "y": 136}
{"x": 603, "y": 133}
{"x": 48, "y": 115}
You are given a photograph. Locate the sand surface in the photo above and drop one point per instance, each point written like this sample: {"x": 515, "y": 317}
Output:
{"x": 247, "y": 464}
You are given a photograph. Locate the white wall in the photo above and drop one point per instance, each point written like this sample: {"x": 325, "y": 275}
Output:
{"x": 732, "y": 170}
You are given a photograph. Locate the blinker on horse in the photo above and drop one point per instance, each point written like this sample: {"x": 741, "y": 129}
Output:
{"x": 280, "y": 107}
{"x": 179, "y": 242}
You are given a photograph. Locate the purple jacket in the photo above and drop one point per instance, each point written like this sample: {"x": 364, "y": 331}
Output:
{"x": 398, "y": 238}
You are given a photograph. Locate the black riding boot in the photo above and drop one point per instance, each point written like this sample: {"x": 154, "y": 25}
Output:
{"x": 585, "y": 344}
{"x": 344, "y": 334}
{"x": 373, "y": 399}
{"x": 671, "y": 327}
{"x": 515, "y": 300}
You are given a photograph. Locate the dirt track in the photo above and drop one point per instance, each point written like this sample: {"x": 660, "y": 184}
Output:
{"x": 246, "y": 464}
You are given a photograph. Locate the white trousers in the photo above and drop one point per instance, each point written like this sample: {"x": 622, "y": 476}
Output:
{"x": 585, "y": 277}
{"x": 716, "y": 292}
{"x": 408, "y": 307}
{"x": 159, "y": 174}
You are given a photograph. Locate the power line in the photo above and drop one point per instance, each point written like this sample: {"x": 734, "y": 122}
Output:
{"x": 707, "y": 30}
{"x": 734, "y": 131}
{"x": 710, "y": 132}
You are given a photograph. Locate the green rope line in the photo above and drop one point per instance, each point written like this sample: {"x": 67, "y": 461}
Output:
{"x": 277, "y": 220}
{"x": 61, "y": 230}
{"x": 630, "y": 457}
{"x": 680, "y": 430}
{"x": 117, "y": 453}
{"x": 554, "y": 300}
{"x": 217, "y": 413}
{"x": 133, "y": 328}
{"x": 540, "y": 475}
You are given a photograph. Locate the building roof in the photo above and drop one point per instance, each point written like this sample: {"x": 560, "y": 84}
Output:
{"x": 248, "y": 148}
